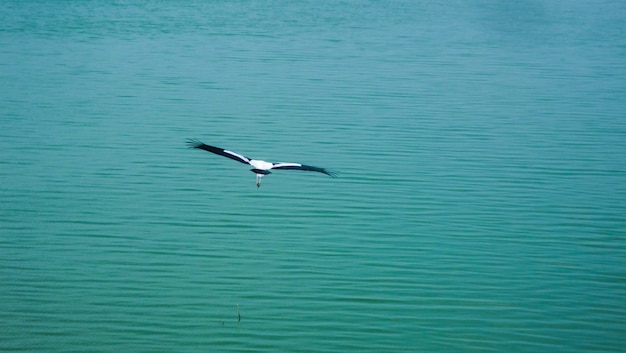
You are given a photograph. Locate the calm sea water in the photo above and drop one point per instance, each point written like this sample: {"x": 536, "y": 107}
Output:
{"x": 480, "y": 207}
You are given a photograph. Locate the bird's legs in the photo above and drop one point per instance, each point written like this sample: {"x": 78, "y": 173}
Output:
{"x": 258, "y": 180}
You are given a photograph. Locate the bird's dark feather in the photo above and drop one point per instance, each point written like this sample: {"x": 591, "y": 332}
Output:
{"x": 217, "y": 150}
{"x": 307, "y": 168}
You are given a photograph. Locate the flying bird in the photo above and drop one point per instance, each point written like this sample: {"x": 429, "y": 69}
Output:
{"x": 260, "y": 168}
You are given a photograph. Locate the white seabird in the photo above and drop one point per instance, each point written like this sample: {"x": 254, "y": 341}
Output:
{"x": 260, "y": 168}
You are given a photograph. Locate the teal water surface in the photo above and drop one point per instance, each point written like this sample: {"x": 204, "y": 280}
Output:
{"x": 480, "y": 204}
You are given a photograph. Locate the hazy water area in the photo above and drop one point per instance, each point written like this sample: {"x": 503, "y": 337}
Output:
{"x": 480, "y": 204}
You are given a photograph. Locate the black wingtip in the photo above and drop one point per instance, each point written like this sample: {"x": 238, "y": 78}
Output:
{"x": 194, "y": 143}
{"x": 331, "y": 173}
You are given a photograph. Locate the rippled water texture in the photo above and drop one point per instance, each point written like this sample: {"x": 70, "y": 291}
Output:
{"x": 480, "y": 204}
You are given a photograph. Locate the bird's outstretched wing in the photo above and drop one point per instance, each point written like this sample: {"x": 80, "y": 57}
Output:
{"x": 222, "y": 152}
{"x": 298, "y": 166}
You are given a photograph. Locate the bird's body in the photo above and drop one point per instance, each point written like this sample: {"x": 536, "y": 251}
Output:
{"x": 260, "y": 168}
